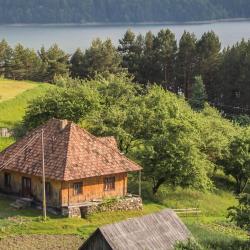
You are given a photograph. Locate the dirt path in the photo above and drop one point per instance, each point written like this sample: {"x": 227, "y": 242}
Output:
{"x": 41, "y": 242}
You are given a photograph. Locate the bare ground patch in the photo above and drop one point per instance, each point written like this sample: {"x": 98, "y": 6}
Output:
{"x": 41, "y": 242}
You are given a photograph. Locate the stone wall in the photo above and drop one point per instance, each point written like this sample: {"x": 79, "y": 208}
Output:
{"x": 121, "y": 204}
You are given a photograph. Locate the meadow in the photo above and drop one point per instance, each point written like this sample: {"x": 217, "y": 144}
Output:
{"x": 209, "y": 227}
{"x": 15, "y": 96}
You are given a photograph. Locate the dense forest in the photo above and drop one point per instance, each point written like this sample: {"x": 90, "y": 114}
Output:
{"x": 82, "y": 11}
{"x": 191, "y": 67}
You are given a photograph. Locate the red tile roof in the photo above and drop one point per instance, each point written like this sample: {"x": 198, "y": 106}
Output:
{"x": 71, "y": 153}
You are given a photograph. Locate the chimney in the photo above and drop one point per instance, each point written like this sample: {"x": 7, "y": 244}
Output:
{"x": 63, "y": 124}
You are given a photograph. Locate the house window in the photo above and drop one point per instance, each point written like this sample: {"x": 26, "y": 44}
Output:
{"x": 7, "y": 180}
{"x": 77, "y": 188}
{"x": 48, "y": 189}
{"x": 109, "y": 183}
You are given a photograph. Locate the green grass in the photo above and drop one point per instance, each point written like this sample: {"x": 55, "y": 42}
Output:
{"x": 5, "y": 142}
{"x": 206, "y": 228}
{"x": 10, "y": 88}
{"x": 13, "y": 109}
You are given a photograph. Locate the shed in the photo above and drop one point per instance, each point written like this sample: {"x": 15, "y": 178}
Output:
{"x": 159, "y": 231}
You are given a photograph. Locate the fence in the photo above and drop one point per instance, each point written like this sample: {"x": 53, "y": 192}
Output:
{"x": 5, "y": 132}
{"x": 188, "y": 211}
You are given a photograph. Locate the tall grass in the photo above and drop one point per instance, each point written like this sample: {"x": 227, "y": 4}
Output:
{"x": 13, "y": 110}
{"x": 5, "y": 142}
{"x": 11, "y": 88}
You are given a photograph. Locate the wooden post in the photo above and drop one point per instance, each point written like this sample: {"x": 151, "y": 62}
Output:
{"x": 140, "y": 183}
{"x": 44, "y": 180}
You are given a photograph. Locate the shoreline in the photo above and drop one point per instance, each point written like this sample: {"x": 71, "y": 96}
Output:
{"x": 102, "y": 24}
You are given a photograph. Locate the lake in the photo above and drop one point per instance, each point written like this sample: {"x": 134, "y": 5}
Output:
{"x": 70, "y": 37}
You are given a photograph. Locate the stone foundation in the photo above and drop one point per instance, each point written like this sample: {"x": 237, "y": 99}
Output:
{"x": 121, "y": 204}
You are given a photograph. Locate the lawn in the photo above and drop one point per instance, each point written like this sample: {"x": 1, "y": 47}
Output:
{"x": 10, "y": 88}
{"x": 5, "y": 142}
{"x": 16, "y": 95}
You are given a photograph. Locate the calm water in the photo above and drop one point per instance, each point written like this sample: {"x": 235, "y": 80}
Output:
{"x": 69, "y": 37}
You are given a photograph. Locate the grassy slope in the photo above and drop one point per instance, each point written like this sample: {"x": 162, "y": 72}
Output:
{"x": 13, "y": 110}
{"x": 15, "y": 96}
{"x": 10, "y": 88}
{"x": 5, "y": 142}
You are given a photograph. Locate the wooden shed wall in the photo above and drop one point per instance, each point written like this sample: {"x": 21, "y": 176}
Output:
{"x": 96, "y": 241}
{"x": 93, "y": 188}
{"x": 36, "y": 187}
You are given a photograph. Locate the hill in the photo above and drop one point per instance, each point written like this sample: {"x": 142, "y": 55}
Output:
{"x": 15, "y": 96}
{"x": 90, "y": 11}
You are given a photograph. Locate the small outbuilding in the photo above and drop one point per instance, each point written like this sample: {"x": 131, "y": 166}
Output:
{"x": 159, "y": 231}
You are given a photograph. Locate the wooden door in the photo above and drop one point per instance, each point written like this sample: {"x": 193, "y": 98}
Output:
{"x": 26, "y": 187}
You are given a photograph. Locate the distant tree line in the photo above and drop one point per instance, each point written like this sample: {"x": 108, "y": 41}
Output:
{"x": 82, "y": 11}
{"x": 149, "y": 59}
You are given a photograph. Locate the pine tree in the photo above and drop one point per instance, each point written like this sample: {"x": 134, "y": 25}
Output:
{"x": 209, "y": 60}
{"x": 55, "y": 62}
{"x": 76, "y": 62}
{"x": 101, "y": 57}
{"x": 198, "y": 95}
{"x": 165, "y": 49}
{"x": 186, "y": 63}
{"x": 6, "y": 53}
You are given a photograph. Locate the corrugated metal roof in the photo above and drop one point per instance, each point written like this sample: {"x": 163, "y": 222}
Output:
{"x": 159, "y": 231}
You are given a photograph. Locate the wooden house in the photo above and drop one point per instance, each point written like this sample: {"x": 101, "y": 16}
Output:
{"x": 79, "y": 167}
{"x": 158, "y": 231}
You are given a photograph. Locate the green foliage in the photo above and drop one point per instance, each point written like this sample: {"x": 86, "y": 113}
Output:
{"x": 216, "y": 238}
{"x": 198, "y": 96}
{"x": 24, "y": 64}
{"x": 149, "y": 59}
{"x": 241, "y": 213}
{"x": 71, "y": 104}
{"x": 175, "y": 145}
{"x": 54, "y": 62}
{"x": 130, "y": 11}
{"x": 186, "y": 62}
{"x": 101, "y": 57}
{"x": 190, "y": 245}
{"x": 237, "y": 161}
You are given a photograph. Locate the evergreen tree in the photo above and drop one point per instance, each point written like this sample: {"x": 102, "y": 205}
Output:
{"x": 234, "y": 87}
{"x": 147, "y": 65}
{"x": 186, "y": 63}
{"x": 101, "y": 57}
{"x": 209, "y": 60}
{"x": 198, "y": 94}
{"x": 55, "y": 62}
{"x": 76, "y": 62}
{"x": 24, "y": 64}
{"x": 5, "y": 58}
{"x": 165, "y": 49}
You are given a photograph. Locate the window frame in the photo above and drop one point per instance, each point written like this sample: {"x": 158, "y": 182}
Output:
{"x": 109, "y": 183}
{"x": 48, "y": 189}
{"x": 77, "y": 188}
{"x": 7, "y": 180}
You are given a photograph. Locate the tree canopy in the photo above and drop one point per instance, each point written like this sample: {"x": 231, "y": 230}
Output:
{"x": 176, "y": 145}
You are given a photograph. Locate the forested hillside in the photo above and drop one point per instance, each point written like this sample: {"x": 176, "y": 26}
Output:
{"x": 82, "y": 11}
